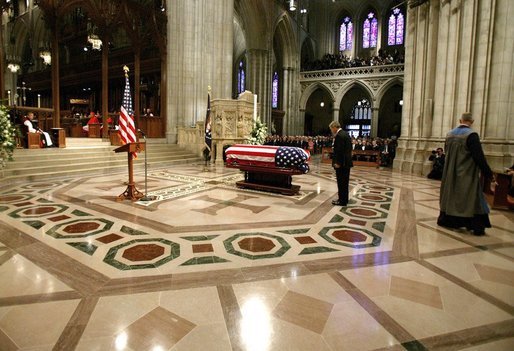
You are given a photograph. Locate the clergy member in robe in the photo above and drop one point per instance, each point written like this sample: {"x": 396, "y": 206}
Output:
{"x": 45, "y": 137}
{"x": 462, "y": 202}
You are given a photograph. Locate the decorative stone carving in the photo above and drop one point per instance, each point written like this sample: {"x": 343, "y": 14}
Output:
{"x": 375, "y": 84}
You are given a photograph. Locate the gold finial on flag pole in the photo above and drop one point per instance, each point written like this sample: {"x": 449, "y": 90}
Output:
{"x": 126, "y": 69}
{"x": 209, "y": 89}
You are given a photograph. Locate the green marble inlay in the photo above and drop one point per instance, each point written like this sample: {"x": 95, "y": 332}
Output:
{"x": 228, "y": 243}
{"x": 44, "y": 201}
{"x": 35, "y": 224}
{"x": 380, "y": 226}
{"x": 110, "y": 257}
{"x": 80, "y": 213}
{"x": 21, "y": 212}
{"x": 295, "y": 231}
{"x": 386, "y": 206}
{"x": 390, "y": 194}
{"x": 324, "y": 233}
{"x": 204, "y": 260}
{"x": 85, "y": 247}
{"x": 199, "y": 237}
{"x": 316, "y": 249}
{"x": 3, "y": 208}
{"x": 58, "y": 230}
{"x": 336, "y": 219}
{"x": 132, "y": 231}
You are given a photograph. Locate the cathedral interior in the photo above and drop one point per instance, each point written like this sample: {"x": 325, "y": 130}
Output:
{"x": 201, "y": 263}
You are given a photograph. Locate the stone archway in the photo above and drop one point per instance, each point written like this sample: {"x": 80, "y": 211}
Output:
{"x": 390, "y": 111}
{"x": 351, "y": 98}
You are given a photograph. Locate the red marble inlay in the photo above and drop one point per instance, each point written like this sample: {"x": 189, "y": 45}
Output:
{"x": 21, "y": 204}
{"x": 58, "y": 218}
{"x": 349, "y": 235}
{"x": 372, "y": 197}
{"x": 42, "y": 185}
{"x": 375, "y": 192}
{"x": 143, "y": 252}
{"x": 109, "y": 238}
{"x": 202, "y": 248}
{"x": 7, "y": 198}
{"x": 368, "y": 204}
{"x": 363, "y": 212}
{"x": 81, "y": 227}
{"x": 305, "y": 240}
{"x": 39, "y": 210}
{"x": 356, "y": 222}
{"x": 256, "y": 244}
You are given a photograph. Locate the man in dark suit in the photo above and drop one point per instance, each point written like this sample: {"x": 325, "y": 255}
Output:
{"x": 341, "y": 161}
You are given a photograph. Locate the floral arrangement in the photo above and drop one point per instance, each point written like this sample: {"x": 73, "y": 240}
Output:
{"x": 258, "y": 134}
{"x": 7, "y": 137}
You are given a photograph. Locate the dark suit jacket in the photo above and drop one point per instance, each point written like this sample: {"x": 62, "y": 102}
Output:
{"x": 342, "y": 150}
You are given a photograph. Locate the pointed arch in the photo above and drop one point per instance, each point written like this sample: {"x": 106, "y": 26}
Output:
{"x": 287, "y": 41}
{"x": 353, "y": 83}
{"x": 385, "y": 87}
{"x": 311, "y": 89}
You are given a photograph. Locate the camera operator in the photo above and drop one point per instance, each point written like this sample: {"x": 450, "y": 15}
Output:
{"x": 437, "y": 158}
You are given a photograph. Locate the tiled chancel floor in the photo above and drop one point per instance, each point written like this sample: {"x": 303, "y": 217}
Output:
{"x": 208, "y": 266}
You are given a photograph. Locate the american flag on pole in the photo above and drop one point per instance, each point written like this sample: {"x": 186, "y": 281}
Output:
{"x": 127, "y": 126}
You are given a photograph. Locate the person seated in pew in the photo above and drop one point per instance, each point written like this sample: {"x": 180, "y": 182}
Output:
{"x": 45, "y": 137}
{"x": 93, "y": 119}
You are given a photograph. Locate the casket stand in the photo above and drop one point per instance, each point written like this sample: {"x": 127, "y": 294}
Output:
{"x": 276, "y": 180}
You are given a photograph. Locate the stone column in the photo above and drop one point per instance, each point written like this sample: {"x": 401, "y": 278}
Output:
{"x": 335, "y": 114}
{"x": 259, "y": 80}
{"x": 290, "y": 102}
{"x": 374, "y": 119}
{"x": 200, "y": 45}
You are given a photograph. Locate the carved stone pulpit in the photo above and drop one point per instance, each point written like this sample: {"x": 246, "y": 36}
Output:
{"x": 231, "y": 122}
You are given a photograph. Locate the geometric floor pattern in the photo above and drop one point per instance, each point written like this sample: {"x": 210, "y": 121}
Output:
{"x": 208, "y": 266}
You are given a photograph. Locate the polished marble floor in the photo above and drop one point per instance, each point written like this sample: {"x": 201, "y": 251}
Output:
{"x": 208, "y": 266}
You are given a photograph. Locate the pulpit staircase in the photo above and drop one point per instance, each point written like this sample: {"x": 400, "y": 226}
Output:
{"x": 88, "y": 156}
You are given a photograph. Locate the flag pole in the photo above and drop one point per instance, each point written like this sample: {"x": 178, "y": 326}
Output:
{"x": 208, "y": 149}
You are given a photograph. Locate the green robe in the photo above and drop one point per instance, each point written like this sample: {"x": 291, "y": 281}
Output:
{"x": 461, "y": 194}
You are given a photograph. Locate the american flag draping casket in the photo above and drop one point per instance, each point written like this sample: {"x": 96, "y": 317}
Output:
{"x": 268, "y": 156}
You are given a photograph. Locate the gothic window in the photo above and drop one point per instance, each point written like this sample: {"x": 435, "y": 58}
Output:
{"x": 370, "y": 31}
{"x": 346, "y": 34}
{"x": 274, "y": 91}
{"x": 396, "y": 28}
{"x": 241, "y": 78}
{"x": 360, "y": 121}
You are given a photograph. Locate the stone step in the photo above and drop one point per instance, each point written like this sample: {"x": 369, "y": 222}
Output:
{"x": 72, "y": 160}
{"x": 98, "y": 171}
{"x": 48, "y": 163}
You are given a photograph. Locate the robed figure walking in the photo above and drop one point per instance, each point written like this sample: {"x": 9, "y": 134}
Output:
{"x": 462, "y": 200}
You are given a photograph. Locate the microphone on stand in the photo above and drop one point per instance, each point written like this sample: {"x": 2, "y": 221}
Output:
{"x": 142, "y": 133}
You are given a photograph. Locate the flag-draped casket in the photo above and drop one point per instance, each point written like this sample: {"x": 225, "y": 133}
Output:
{"x": 293, "y": 158}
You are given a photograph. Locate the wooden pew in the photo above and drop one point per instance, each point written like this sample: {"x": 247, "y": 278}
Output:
{"x": 365, "y": 157}
{"x": 497, "y": 194}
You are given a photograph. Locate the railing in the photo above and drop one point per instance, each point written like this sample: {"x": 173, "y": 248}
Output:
{"x": 354, "y": 72}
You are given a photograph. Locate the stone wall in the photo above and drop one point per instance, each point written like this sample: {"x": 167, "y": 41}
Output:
{"x": 458, "y": 58}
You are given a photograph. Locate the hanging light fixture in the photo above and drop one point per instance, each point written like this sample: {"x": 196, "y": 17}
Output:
{"x": 292, "y": 5}
{"x": 46, "y": 56}
{"x": 13, "y": 67}
{"x": 96, "y": 43}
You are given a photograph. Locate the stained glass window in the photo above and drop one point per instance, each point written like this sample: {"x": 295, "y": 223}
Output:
{"x": 370, "y": 31}
{"x": 241, "y": 78}
{"x": 346, "y": 34}
{"x": 274, "y": 91}
{"x": 396, "y": 27}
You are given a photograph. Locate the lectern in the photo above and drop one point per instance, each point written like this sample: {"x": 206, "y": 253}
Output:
{"x": 131, "y": 192}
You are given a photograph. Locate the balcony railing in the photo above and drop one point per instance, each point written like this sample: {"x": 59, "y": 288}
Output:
{"x": 353, "y": 72}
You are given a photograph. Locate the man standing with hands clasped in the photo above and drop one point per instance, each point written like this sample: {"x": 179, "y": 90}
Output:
{"x": 341, "y": 161}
